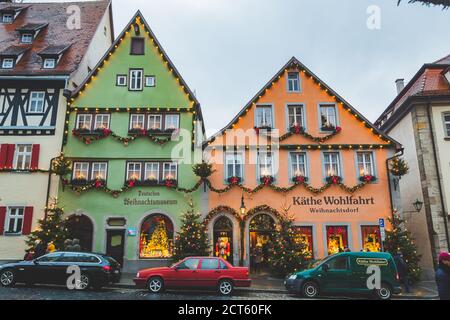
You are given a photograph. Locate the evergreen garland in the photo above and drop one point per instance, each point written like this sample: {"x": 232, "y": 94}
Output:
{"x": 444, "y": 3}
{"x": 192, "y": 239}
{"x": 400, "y": 239}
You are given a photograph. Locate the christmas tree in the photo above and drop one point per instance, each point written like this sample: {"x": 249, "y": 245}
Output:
{"x": 192, "y": 239}
{"x": 52, "y": 229}
{"x": 159, "y": 245}
{"x": 399, "y": 239}
{"x": 287, "y": 251}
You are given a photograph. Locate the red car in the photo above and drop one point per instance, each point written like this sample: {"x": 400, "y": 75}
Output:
{"x": 195, "y": 272}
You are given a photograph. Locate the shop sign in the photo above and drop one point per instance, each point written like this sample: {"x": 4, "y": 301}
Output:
{"x": 372, "y": 262}
{"x": 333, "y": 204}
{"x": 147, "y": 199}
{"x": 132, "y": 232}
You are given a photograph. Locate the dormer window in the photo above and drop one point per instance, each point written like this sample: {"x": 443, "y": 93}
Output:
{"x": 7, "y": 18}
{"x": 8, "y": 63}
{"x": 27, "y": 38}
{"x": 49, "y": 63}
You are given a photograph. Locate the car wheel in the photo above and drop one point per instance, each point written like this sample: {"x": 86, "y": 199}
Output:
{"x": 225, "y": 287}
{"x": 84, "y": 282}
{"x": 384, "y": 293}
{"x": 310, "y": 289}
{"x": 155, "y": 285}
{"x": 7, "y": 278}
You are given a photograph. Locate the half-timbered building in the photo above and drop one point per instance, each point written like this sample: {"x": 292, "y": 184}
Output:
{"x": 45, "y": 49}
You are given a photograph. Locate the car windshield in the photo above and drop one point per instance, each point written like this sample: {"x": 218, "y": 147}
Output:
{"x": 320, "y": 262}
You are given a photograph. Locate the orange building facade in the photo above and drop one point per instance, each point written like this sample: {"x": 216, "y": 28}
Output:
{"x": 298, "y": 147}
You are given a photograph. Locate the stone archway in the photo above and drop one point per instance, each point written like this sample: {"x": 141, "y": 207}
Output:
{"x": 81, "y": 227}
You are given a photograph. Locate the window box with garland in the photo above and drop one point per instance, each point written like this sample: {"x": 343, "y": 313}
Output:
{"x": 267, "y": 180}
{"x": 300, "y": 179}
{"x": 234, "y": 180}
{"x": 367, "y": 178}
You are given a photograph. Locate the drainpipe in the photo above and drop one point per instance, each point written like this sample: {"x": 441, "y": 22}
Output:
{"x": 436, "y": 162}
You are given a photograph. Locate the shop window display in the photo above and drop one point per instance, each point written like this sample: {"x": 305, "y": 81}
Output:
{"x": 337, "y": 239}
{"x": 223, "y": 239}
{"x": 261, "y": 229}
{"x": 305, "y": 235}
{"x": 371, "y": 238}
{"x": 156, "y": 239}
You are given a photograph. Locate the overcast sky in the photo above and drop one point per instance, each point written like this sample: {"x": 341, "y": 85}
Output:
{"x": 228, "y": 49}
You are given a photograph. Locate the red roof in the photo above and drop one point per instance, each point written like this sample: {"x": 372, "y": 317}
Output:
{"x": 56, "y": 34}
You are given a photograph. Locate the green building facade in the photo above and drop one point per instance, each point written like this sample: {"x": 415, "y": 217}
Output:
{"x": 130, "y": 134}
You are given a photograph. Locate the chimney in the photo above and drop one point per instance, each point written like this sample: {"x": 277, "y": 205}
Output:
{"x": 400, "y": 83}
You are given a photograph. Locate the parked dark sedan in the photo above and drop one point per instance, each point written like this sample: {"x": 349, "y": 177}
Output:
{"x": 96, "y": 270}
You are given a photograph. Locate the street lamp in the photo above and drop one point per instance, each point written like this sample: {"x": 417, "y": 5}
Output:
{"x": 418, "y": 205}
{"x": 242, "y": 212}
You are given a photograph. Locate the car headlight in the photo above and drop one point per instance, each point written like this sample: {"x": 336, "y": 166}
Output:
{"x": 293, "y": 277}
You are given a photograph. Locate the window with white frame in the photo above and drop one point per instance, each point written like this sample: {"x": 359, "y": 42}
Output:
{"x": 150, "y": 81}
{"x": 8, "y": 63}
{"x": 264, "y": 117}
{"x": 27, "y": 38}
{"x": 134, "y": 171}
{"x": 135, "y": 80}
{"x": 331, "y": 164}
{"x": 447, "y": 124}
{"x": 37, "y": 101}
{"x": 293, "y": 82}
{"x": 170, "y": 170}
{"x": 298, "y": 164}
{"x": 155, "y": 122}
{"x": 328, "y": 118}
{"x": 137, "y": 121}
{"x": 265, "y": 164}
{"x": 365, "y": 164}
{"x": 152, "y": 171}
{"x": 49, "y": 63}
{"x": 7, "y": 18}
{"x": 121, "y": 80}
{"x": 84, "y": 121}
{"x": 14, "y": 221}
{"x": 295, "y": 115}
{"x": 80, "y": 171}
{"x": 234, "y": 165}
{"x": 99, "y": 171}
{"x": 101, "y": 121}
{"x": 23, "y": 156}
{"x": 172, "y": 121}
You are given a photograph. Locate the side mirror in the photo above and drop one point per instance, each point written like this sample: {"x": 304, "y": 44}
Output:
{"x": 325, "y": 267}
{"x": 176, "y": 268}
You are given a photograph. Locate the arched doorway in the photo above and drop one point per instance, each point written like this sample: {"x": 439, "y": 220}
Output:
{"x": 156, "y": 237}
{"x": 261, "y": 228}
{"x": 223, "y": 239}
{"x": 80, "y": 227}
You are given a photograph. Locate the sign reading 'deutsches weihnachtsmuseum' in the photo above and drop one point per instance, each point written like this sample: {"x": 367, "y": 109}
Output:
{"x": 145, "y": 199}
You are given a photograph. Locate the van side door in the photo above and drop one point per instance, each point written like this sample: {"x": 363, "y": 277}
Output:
{"x": 336, "y": 276}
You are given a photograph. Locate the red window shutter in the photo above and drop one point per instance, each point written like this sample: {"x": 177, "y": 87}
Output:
{"x": 35, "y": 157}
{"x": 27, "y": 221}
{"x": 10, "y": 156}
{"x": 3, "y": 155}
{"x": 2, "y": 219}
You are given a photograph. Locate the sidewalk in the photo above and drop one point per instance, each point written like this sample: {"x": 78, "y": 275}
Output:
{"x": 266, "y": 284}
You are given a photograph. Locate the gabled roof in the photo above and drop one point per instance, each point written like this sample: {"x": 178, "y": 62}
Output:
{"x": 54, "y": 50}
{"x": 429, "y": 81}
{"x": 14, "y": 51}
{"x": 12, "y": 9}
{"x": 56, "y": 33}
{"x": 164, "y": 55}
{"x": 294, "y": 63}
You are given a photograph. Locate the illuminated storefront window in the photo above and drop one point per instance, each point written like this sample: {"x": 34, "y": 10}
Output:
{"x": 305, "y": 235}
{"x": 337, "y": 239}
{"x": 156, "y": 239}
{"x": 371, "y": 240}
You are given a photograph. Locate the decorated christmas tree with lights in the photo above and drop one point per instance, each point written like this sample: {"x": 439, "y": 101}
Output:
{"x": 50, "y": 229}
{"x": 158, "y": 245}
{"x": 192, "y": 239}
{"x": 399, "y": 239}
{"x": 287, "y": 251}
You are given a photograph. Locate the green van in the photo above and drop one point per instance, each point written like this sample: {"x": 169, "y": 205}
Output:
{"x": 348, "y": 273}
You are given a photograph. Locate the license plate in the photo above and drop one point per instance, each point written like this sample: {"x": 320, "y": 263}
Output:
{"x": 117, "y": 271}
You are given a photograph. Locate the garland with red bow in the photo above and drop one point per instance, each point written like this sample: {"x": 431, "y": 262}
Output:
{"x": 300, "y": 130}
{"x": 87, "y": 137}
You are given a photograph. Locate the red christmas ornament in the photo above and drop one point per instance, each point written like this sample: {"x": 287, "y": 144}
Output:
{"x": 87, "y": 141}
{"x": 98, "y": 184}
{"x": 106, "y": 132}
{"x": 338, "y": 129}
{"x": 131, "y": 183}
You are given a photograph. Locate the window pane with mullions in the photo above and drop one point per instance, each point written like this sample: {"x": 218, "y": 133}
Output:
{"x": 15, "y": 220}
{"x": 328, "y": 116}
{"x": 135, "y": 80}
{"x": 37, "y": 100}
{"x": 265, "y": 164}
{"x": 137, "y": 121}
{"x": 155, "y": 122}
{"x": 332, "y": 164}
{"x": 102, "y": 121}
{"x": 170, "y": 170}
{"x": 134, "y": 171}
{"x": 365, "y": 163}
{"x": 298, "y": 163}
{"x": 293, "y": 82}
{"x": 295, "y": 115}
{"x": 152, "y": 171}
{"x": 81, "y": 170}
{"x": 234, "y": 163}
{"x": 99, "y": 170}
{"x": 23, "y": 156}
{"x": 447, "y": 124}
{"x": 172, "y": 121}
{"x": 84, "y": 121}
{"x": 264, "y": 116}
